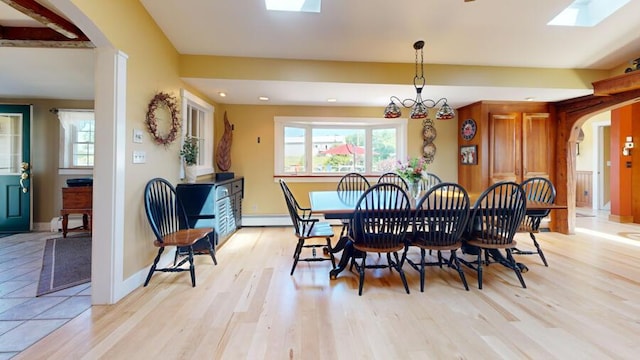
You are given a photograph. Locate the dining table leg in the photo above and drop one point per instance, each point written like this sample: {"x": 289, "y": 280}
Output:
{"x": 346, "y": 246}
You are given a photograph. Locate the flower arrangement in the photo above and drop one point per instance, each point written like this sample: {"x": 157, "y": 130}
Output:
{"x": 189, "y": 150}
{"x": 413, "y": 170}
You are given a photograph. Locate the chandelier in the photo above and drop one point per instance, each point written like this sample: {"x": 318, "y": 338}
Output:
{"x": 419, "y": 108}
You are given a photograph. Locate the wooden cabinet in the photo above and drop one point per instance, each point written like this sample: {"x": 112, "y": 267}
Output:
{"x": 519, "y": 146}
{"x": 515, "y": 141}
{"x": 216, "y": 204}
{"x": 77, "y": 200}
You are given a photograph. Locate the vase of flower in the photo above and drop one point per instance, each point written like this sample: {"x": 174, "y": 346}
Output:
{"x": 412, "y": 172}
{"x": 415, "y": 188}
{"x": 189, "y": 155}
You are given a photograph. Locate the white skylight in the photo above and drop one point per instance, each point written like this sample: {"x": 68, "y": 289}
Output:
{"x": 293, "y": 5}
{"x": 587, "y": 12}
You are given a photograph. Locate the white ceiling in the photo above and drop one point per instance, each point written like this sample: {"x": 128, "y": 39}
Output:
{"x": 484, "y": 32}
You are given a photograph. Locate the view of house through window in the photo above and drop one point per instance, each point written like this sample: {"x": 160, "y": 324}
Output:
{"x": 77, "y": 138}
{"x": 337, "y": 146}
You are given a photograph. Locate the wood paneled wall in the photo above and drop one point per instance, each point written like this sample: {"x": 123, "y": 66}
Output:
{"x": 584, "y": 188}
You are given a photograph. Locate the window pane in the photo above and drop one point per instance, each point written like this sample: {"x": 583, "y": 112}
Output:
{"x": 85, "y": 131}
{"x": 10, "y": 144}
{"x": 338, "y": 150}
{"x": 384, "y": 150}
{"x": 294, "y": 145}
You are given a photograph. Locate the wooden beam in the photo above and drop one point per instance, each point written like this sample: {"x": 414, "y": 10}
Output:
{"x": 46, "y": 17}
{"x": 39, "y": 37}
{"x": 617, "y": 84}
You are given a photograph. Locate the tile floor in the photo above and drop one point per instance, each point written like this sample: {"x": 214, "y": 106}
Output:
{"x": 25, "y": 318}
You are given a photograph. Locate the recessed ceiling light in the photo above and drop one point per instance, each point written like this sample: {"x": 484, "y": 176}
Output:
{"x": 293, "y": 5}
{"x": 587, "y": 13}
{"x": 529, "y": 99}
{"x": 222, "y": 94}
{"x": 263, "y": 98}
{"x": 332, "y": 100}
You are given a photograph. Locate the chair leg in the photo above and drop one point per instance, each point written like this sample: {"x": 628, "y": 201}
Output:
{"x": 296, "y": 255}
{"x": 479, "y": 270}
{"x": 540, "y": 253}
{"x": 192, "y": 267}
{"x": 515, "y": 268}
{"x": 333, "y": 259}
{"x": 423, "y": 253}
{"x": 212, "y": 250}
{"x": 399, "y": 269}
{"x": 454, "y": 260}
{"x": 361, "y": 272}
{"x": 153, "y": 266}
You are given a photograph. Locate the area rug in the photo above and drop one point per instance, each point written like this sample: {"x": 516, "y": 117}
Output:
{"x": 66, "y": 263}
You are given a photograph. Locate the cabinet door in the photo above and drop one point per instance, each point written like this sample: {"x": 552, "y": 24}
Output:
{"x": 537, "y": 149}
{"x": 504, "y": 147}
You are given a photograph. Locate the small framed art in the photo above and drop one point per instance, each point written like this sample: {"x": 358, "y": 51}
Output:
{"x": 469, "y": 155}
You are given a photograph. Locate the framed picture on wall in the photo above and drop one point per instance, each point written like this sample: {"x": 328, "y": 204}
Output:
{"x": 469, "y": 155}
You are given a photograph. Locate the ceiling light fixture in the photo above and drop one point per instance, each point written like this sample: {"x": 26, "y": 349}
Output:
{"x": 332, "y": 100}
{"x": 263, "y": 98}
{"x": 419, "y": 108}
{"x": 222, "y": 94}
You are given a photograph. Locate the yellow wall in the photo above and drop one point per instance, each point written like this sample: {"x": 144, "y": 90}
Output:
{"x": 222, "y": 67}
{"x": 152, "y": 66}
{"x": 255, "y": 160}
{"x": 587, "y": 160}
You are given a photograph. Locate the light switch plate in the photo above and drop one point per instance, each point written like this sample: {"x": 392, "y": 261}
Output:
{"x": 137, "y": 136}
{"x": 139, "y": 157}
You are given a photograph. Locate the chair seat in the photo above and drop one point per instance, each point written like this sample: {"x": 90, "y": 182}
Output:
{"x": 183, "y": 237}
{"x": 320, "y": 229}
{"x": 485, "y": 245}
{"x": 378, "y": 249}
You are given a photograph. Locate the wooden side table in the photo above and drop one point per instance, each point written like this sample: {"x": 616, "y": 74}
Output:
{"x": 77, "y": 200}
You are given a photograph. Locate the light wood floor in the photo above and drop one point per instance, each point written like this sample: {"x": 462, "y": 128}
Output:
{"x": 585, "y": 305}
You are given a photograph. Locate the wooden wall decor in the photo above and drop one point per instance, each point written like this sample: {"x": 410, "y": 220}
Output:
{"x": 223, "y": 152}
{"x": 429, "y": 134}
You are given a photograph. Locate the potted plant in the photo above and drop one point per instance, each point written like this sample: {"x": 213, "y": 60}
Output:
{"x": 189, "y": 155}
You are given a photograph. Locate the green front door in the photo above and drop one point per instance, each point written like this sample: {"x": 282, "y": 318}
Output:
{"x": 15, "y": 165}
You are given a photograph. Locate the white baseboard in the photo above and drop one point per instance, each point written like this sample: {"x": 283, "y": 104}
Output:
{"x": 56, "y": 223}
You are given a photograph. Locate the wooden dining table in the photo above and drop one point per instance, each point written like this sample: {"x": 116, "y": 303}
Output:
{"x": 334, "y": 204}
{"x": 340, "y": 205}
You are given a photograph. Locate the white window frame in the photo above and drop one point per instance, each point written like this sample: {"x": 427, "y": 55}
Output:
{"x": 204, "y": 132}
{"x": 280, "y": 122}
{"x": 67, "y": 117}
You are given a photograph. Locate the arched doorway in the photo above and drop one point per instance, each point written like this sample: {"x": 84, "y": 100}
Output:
{"x": 571, "y": 114}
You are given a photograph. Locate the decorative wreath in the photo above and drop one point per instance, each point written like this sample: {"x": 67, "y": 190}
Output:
{"x": 162, "y": 99}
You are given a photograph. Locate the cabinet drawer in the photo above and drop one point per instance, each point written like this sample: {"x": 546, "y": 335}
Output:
{"x": 236, "y": 187}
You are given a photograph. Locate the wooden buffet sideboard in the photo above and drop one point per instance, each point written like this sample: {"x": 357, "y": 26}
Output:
{"x": 77, "y": 200}
{"x": 214, "y": 204}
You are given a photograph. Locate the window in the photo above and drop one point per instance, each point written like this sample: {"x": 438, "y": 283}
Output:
{"x": 197, "y": 120}
{"x": 335, "y": 146}
{"x": 77, "y": 140}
